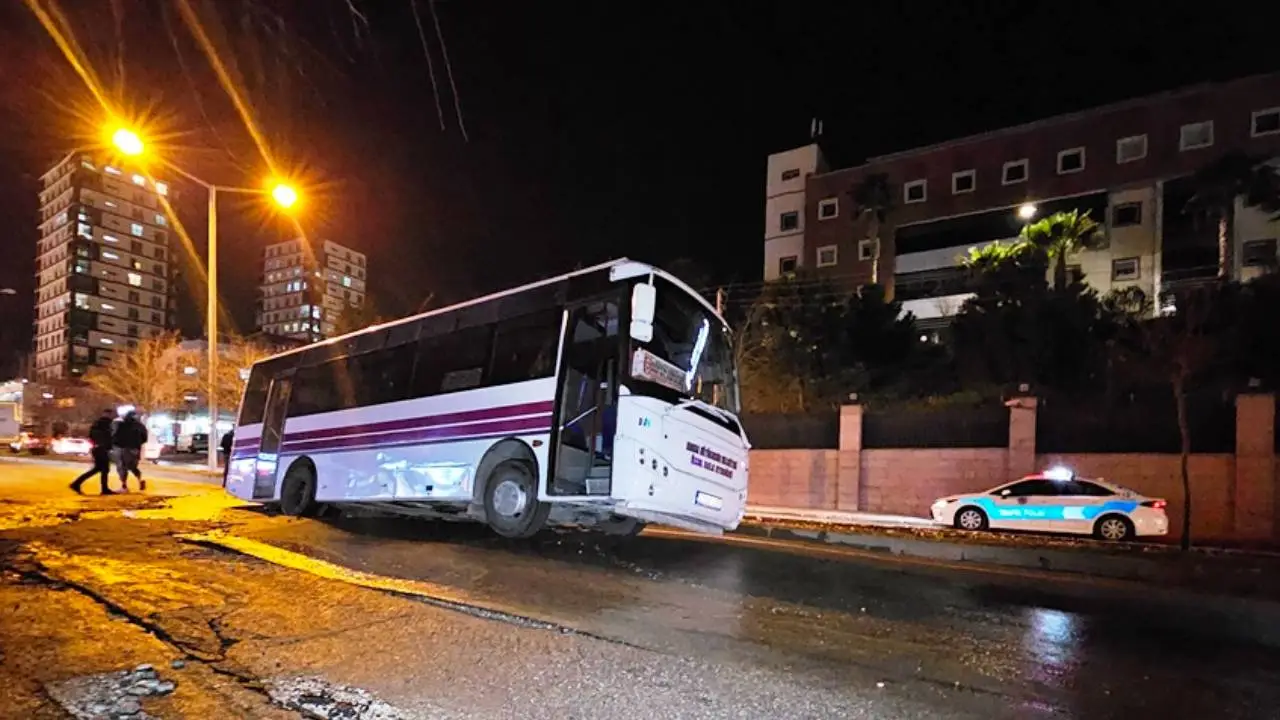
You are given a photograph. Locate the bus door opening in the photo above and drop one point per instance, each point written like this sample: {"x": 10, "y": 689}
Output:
{"x": 273, "y": 417}
{"x": 588, "y": 401}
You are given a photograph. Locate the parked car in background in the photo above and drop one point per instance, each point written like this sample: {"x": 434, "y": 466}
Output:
{"x": 1056, "y": 501}
{"x": 31, "y": 442}
{"x": 151, "y": 450}
{"x": 67, "y": 445}
{"x": 193, "y": 443}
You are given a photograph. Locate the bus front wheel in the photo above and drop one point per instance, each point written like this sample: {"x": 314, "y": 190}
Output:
{"x": 511, "y": 504}
{"x": 298, "y": 491}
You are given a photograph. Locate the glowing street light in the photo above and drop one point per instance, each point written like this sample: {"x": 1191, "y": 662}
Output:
{"x": 284, "y": 195}
{"x": 127, "y": 142}
{"x": 1027, "y": 211}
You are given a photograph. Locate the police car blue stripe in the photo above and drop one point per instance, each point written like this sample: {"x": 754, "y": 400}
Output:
{"x": 1050, "y": 512}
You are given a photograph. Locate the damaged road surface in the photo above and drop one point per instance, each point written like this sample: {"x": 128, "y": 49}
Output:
{"x": 180, "y": 604}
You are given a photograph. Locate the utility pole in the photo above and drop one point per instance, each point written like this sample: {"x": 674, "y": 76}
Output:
{"x": 720, "y": 301}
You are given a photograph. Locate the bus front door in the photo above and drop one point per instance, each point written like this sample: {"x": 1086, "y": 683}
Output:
{"x": 273, "y": 417}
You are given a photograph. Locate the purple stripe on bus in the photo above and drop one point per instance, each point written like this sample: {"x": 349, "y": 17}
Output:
{"x": 379, "y": 445}
{"x": 423, "y": 434}
{"x": 497, "y": 413}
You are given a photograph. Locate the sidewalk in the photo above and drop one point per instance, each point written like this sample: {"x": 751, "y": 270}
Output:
{"x": 765, "y": 514}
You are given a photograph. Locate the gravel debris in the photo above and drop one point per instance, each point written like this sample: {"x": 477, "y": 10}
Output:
{"x": 110, "y": 696}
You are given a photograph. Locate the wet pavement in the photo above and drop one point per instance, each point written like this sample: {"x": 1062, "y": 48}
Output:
{"x": 439, "y": 620}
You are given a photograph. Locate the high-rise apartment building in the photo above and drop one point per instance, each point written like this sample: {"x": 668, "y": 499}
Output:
{"x": 102, "y": 264}
{"x": 1128, "y": 164}
{"x": 307, "y": 286}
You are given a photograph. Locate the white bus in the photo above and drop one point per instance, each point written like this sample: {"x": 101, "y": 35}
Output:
{"x": 606, "y": 397}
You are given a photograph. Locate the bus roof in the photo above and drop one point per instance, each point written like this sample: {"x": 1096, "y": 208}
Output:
{"x": 641, "y": 268}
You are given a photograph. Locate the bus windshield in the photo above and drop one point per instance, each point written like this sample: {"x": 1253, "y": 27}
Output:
{"x": 691, "y": 353}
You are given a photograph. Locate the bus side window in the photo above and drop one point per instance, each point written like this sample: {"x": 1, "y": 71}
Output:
{"x": 255, "y": 396}
{"x": 382, "y": 376}
{"x": 524, "y": 348}
{"x": 451, "y": 362}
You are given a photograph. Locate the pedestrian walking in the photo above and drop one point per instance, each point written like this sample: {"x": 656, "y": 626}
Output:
{"x": 129, "y": 438}
{"x": 228, "y": 439}
{"x": 100, "y": 437}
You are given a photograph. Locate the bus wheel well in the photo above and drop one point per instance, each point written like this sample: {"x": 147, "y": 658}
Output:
{"x": 508, "y": 449}
{"x": 298, "y": 488}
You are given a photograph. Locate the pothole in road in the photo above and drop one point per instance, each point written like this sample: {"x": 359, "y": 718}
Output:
{"x": 114, "y": 695}
{"x": 314, "y": 697}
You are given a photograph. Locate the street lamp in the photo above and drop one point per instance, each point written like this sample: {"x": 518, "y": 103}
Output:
{"x": 1026, "y": 211}
{"x": 284, "y": 195}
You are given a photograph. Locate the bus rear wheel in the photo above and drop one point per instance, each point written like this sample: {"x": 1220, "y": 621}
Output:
{"x": 298, "y": 491}
{"x": 511, "y": 504}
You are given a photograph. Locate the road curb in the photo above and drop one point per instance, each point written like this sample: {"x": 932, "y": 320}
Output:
{"x": 1151, "y": 581}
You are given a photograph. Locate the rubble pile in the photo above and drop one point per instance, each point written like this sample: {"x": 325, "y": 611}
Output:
{"x": 110, "y": 696}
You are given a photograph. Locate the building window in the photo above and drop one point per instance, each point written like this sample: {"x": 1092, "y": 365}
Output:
{"x": 1071, "y": 161}
{"x": 161, "y": 219}
{"x": 1265, "y": 122}
{"x": 111, "y": 171}
{"x": 788, "y": 265}
{"x": 1126, "y": 214}
{"x": 162, "y": 188}
{"x": 139, "y": 180}
{"x": 136, "y": 229}
{"x": 916, "y": 191}
{"x": 1194, "y": 136}
{"x": 789, "y": 221}
{"x": 1015, "y": 172}
{"x": 1259, "y": 253}
{"x": 964, "y": 181}
{"x": 868, "y": 249}
{"x": 828, "y": 256}
{"x": 1130, "y": 149}
{"x": 828, "y": 208}
{"x": 1125, "y": 269}
{"x": 791, "y": 174}
{"x": 135, "y": 279}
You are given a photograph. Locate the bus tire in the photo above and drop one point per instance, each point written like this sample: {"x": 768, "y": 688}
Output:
{"x": 298, "y": 491}
{"x": 511, "y": 505}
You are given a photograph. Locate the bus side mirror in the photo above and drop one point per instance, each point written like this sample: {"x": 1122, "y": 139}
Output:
{"x": 644, "y": 299}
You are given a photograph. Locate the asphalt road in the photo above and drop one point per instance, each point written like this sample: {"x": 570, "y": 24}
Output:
{"x": 466, "y": 625}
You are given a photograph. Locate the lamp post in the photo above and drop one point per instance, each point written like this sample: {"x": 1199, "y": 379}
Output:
{"x": 129, "y": 143}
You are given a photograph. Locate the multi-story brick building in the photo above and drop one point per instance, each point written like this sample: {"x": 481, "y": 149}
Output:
{"x": 1126, "y": 163}
{"x": 103, "y": 262}
{"x": 307, "y": 287}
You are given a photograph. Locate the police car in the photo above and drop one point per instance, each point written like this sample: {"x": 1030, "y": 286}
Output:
{"x": 1057, "y": 501}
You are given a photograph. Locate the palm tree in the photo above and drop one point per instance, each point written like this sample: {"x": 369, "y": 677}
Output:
{"x": 1216, "y": 187}
{"x": 1060, "y": 235}
{"x": 873, "y": 200}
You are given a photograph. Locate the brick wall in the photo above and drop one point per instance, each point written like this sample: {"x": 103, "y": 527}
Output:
{"x": 906, "y": 482}
{"x": 794, "y": 478}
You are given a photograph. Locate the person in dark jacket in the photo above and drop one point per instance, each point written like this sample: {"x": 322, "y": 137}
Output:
{"x": 129, "y": 438}
{"x": 100, "y": 436}
{"x": 228, "y": 440}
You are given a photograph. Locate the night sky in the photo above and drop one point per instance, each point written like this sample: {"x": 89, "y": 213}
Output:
{"x": 596, "y": 130}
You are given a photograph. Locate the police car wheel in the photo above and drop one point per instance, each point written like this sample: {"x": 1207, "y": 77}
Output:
{"x": 1114, "y": 528}
{"x": 971, "y": 518}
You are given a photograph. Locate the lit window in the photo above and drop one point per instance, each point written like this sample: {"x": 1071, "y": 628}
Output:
{"x": 110, "y": 255}
{"x": 111, "y": 238}
{"x": 112, "y": 170}
{"x": 162, "y": 188}
{"x": 135, "y": 279}
{"x": 87, "y": 165}
{"x": 139, "y": 180}
{"x": 346, "y": 281}
{"x": 161, "y": 219}
{"x": 1194, "y": 136}
{"x": 83, "y": 230}
{"x": 107, "y": 341}
{"x": 109, "y": 203}
{"x": 136, "y": 229}
{"x": 108, "y": 306}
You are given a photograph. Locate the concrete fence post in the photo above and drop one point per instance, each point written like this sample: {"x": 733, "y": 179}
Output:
{"x": 849, "y": 470}
{"x": 1253, "y": 491}
{"x": 1022, "y": 436}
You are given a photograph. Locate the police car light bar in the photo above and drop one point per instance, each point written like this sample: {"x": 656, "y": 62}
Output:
{"x": 1059, "y": 473}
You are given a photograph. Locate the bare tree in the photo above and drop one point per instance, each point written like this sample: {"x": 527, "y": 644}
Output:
{"x": 144, "y": 377}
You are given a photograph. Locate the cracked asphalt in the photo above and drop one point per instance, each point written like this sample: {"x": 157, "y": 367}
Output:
{"x": 257, "y": 616}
